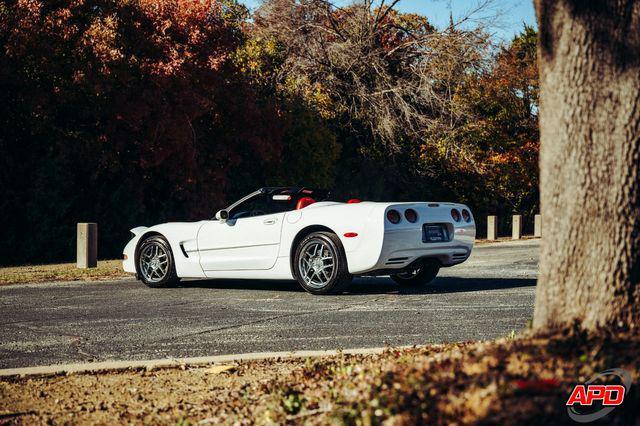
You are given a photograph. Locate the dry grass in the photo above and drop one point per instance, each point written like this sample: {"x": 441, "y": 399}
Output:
{"x": 481, "y": 241}
{"x": 106, "y": 270}
{"x": 511, "y": 381}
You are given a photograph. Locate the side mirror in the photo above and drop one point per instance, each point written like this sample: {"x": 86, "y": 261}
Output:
{"x": 222, "y": 215}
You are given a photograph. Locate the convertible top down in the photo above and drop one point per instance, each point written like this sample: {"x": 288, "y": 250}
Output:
{"x": 293, "y": 233}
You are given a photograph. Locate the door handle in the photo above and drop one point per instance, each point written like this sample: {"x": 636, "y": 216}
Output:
{"x": 269, "y": 221}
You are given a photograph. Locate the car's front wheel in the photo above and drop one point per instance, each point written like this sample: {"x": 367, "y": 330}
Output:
{"x": 420, "y": 275}
{"x": 320, "y": 264}
{"x": 155, "y": 264}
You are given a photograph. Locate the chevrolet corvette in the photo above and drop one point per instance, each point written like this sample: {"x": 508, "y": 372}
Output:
{"x": 296, "y": 233}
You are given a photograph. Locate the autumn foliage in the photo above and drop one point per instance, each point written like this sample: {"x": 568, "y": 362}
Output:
{"x": 120, "y": 112}
{"x": 133, "y": 112}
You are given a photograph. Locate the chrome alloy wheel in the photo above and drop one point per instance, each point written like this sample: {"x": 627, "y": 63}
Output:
{"x": 317, "y": 263}
{"x": 154, "y": 262}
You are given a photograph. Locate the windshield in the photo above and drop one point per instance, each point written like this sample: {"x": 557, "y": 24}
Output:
{"x": 273, "y": 200}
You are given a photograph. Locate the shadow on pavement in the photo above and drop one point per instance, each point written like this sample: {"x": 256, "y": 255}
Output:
{"x": 273, "y": 285}
{"x": 439, "y": 285}
{"x": 374, "y": 285}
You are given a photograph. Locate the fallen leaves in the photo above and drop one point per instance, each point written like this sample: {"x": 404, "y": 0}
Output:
{"x": 220, "y": 368}
{"x": 522, "y": 380}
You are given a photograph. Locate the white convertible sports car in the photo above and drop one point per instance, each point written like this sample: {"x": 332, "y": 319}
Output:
{"x": 291, "y": 233}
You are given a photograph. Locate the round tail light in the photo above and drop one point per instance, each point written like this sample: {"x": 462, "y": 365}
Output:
{"x": 411, "y": 215}
{"x": 455, "y": 214}
{"x": 466, "y": 215}
{"x": 393, "y": 216}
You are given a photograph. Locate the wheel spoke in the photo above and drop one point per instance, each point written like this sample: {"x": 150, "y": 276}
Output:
{"x": 325, "y": 267}
{"x": 324, "y": 272}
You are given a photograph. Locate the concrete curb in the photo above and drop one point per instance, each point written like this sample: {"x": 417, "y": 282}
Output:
{"x": 105, "y": 366}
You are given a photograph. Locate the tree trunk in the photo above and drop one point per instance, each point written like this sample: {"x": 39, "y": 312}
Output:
{"x": 589, "y": 56}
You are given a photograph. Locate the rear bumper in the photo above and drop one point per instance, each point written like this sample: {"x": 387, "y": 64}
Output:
{"x": 401, "y": 247}
{"x": 448, "y": 255}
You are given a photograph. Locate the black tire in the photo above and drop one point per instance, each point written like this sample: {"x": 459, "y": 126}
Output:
{"x": 165, "y": 273}
{"x": 335, "y": 281}
{"x": 423, "y": 275}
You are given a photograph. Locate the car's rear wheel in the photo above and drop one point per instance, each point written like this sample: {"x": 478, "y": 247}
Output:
{"x": 421, "y": 274}
{"x": 155, "y": 264}
{"x": 320, "y": 265}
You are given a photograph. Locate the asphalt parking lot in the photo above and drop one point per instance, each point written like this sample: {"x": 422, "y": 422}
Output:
{"x": 489, "y": 296}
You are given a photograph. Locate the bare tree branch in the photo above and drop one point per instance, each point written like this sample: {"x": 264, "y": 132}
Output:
{"x": 398, "y": 75}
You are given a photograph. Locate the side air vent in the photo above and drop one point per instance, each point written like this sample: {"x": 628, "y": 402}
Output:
{"x": 396, "y": 260}
{"x": 183, "y": 250}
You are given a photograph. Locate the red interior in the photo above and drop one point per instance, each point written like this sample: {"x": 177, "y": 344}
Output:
{"x": 304, "y": 202}
{"x": 354, "y": 201}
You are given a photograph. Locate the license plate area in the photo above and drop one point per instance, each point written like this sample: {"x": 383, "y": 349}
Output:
{"x": 435, "y": 233}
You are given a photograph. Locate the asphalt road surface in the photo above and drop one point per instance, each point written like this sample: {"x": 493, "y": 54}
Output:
{"x": 487, "y": 297}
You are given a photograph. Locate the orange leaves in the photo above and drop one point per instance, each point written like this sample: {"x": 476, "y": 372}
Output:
{"x": 101, "y": 39}
{"x": 187, "y": 32}
{"x": 525, "y": 153}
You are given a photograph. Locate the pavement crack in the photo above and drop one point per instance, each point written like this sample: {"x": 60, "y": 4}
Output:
{"x": 275, "y": 317}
